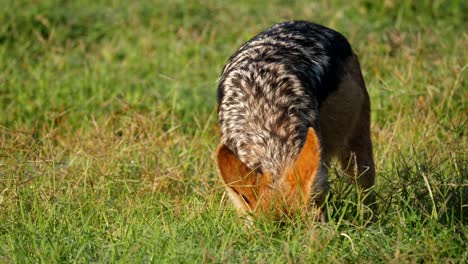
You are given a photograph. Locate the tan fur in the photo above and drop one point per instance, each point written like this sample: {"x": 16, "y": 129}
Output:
{"x": 345, "y": 127}
{"x": 258, "y": 192}
{"x": 242, "y": 184}
{"x": 304, "y": 171}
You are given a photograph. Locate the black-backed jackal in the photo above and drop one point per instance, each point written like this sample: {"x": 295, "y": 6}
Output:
{"x": 289, "y": 100}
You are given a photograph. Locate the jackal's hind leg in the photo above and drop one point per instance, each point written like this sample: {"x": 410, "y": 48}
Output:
{"x": 357, "y": 159}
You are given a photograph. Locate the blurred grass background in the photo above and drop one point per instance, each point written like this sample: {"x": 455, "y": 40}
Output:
{"x": 108, "y": 125}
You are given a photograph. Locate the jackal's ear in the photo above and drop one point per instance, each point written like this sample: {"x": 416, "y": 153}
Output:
{"x": 240, "y": 181}
{"x": 302, "y": 174}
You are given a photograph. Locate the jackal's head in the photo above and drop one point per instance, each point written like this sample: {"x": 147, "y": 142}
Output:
{"x": 258, "y": 192}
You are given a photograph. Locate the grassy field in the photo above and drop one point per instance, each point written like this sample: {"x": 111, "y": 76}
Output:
{"x": 108, "y": 126}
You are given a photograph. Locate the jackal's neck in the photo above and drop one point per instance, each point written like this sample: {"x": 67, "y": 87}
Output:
{"x": 264, "y": 115}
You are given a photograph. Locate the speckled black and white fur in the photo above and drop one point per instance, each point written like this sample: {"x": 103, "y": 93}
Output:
{"x": 271, "y": 88}
{"x": 271, "y": 92}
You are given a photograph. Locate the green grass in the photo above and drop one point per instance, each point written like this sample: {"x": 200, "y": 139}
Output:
{"x": 108, "y": 126}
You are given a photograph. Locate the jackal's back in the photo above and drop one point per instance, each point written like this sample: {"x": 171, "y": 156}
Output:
{"x": 271, "y": 88}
